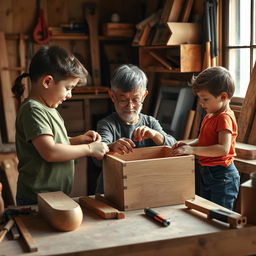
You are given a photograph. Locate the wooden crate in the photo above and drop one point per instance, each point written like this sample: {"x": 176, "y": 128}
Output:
{"x": 148, "y": 177}
{"x": 174, "y": 58}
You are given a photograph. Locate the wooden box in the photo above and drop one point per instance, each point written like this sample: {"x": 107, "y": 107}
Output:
{"x": 148, "y": 177}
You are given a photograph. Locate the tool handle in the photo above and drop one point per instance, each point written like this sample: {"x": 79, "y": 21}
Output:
{"x": 6, "y": 229}
{"x": 156, "y": 216}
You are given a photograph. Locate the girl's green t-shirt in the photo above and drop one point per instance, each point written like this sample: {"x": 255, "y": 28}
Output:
{"x": 35, "y": 174}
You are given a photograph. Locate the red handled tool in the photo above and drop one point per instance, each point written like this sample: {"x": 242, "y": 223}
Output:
{"x": 41, "y": 33}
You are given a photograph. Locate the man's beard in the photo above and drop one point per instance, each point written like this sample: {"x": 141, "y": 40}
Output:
{"x": 131, "y": 116}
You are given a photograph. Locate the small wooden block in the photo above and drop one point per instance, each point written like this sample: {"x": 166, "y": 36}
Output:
{"x": 245, "y": 151}
{"x": 100, "y": 208}
{"x": 62, "y": 212}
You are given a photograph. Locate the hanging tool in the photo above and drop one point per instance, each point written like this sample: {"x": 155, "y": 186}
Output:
{"x": 41, "y": 33}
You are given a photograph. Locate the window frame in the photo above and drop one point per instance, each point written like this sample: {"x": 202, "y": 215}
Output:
{"x": 225, "y": 47}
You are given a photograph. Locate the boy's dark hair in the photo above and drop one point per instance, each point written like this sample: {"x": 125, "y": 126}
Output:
{"x": 128, "y": 77}
{"x": 54, "y": 61}
{"x": 215, "y": 80}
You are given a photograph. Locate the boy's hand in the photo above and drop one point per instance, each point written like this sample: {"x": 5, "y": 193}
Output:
{"x": 143, "y": 132}
{"x": 178, "y": 144}
{"x": 91, "y": 136}
{"x": 98, "y": 149}
{"x": 121, "y": 146}
{"x": 182, "y": 150}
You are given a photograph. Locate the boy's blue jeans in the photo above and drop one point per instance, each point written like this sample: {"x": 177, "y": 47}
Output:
{"x": 219, "y": 184}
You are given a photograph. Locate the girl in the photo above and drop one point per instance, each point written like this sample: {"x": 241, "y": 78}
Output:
{"x": 44, "y": 150}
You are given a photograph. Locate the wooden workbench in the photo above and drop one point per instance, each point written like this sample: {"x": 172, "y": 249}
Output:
{"x": 190, "y": 233}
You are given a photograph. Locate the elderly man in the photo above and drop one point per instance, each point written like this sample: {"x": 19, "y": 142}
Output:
{"x": 128, "y": 128}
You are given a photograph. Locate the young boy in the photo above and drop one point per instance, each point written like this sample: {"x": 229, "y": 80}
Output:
{"x": 215, "y": 146}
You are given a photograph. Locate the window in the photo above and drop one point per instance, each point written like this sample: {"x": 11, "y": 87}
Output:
{"x": 240, "y": 43}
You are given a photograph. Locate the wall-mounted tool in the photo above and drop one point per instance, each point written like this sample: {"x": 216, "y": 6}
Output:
{"x": 41, "y": 33}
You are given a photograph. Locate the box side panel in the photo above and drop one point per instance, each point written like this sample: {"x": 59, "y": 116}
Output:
{"x": 159, "y": 182}
{"x": 143, "y": 153}
{"x": 113, "y": 181}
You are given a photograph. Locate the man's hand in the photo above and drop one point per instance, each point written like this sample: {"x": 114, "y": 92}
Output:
{"x": 121, "y": 146}
{"x": 144, "y": 132}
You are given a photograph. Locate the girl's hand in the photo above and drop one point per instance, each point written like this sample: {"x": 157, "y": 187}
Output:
{"x": 98, "y": 149}
{"x": 91, "y": 136}
{"x": 121, "y": 146}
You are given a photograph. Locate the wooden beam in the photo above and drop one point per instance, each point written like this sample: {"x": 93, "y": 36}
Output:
{"x": 7, "y": 96}
{"x": 246, "y": 115}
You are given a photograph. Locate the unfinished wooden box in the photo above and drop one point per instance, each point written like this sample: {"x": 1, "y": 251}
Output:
{"x": 148, "y": 177}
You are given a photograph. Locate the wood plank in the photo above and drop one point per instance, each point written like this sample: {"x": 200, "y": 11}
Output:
{"x": 160, "y": 60}
{"x": 92, "y": 16}
{"x": 246, "y": 115}
{"x": 9, "y": 168}
{"x": 252, "y": 136}
{"x": 22, "y": 60}
{"x": 189, "y": 123}
{"x": 246, "y": 151}
{"x": 102, "y": 209}
{"x": 216, "y": 211}
{"x": 7, "y": 96}
{"x": 192, "y": 35}
{"x": 30, "y": 242}
{"x": 171, "y": 11}
{"x": 186, "y": 11}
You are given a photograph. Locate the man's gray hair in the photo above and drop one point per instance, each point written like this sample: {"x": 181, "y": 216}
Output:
{"x": 128, "y": 77}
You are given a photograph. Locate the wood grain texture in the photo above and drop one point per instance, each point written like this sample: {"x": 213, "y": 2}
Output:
{"x": 248, "y": 197}
{"x": 190, "y": 233}
{"x": 148, "y": 177}
{"x": 192, "y": 35}
{"x": 246, "y": 115}
{"x": 30, "y": 242}
{"x": 102, "y": 209}
{"x": 61, "y": 212}
{"x": 246, "y": 151}
{"x": 6, "y": 93}
{"x": 200, "y": 204}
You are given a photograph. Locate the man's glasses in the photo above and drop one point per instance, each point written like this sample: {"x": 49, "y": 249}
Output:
{"x": 125, "y": 103}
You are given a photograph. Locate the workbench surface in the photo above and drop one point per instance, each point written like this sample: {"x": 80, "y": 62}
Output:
{"x": 190, "y": 233}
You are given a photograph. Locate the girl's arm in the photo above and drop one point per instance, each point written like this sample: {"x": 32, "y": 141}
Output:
{"x": 52, "y": 152}
{"x": 87, "y": 137}
{"x": 220, "y": 149}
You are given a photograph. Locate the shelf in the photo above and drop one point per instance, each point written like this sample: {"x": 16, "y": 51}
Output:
{"x": 76, "y": 36}
{"x": 183, "y": 58}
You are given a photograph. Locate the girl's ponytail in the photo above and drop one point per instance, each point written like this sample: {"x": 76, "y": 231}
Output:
{"x": 18, "y": 87}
